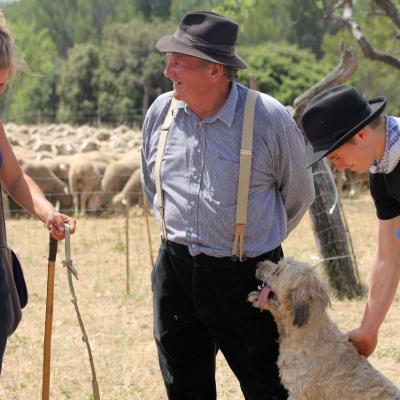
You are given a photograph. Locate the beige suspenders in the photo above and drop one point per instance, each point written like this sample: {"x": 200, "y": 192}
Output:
{"x": 244, "y": 172}
{"x": 157, "y": 168}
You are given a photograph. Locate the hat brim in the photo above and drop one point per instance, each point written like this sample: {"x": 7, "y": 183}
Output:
{"x": 168, "y": 44}
{"x": 377, "y": 105}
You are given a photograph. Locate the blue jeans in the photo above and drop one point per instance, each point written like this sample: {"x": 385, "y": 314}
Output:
{"x": 4, "y": 311}
{"x": 200, "y": 307}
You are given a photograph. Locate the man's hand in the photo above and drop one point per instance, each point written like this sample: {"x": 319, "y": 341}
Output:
{"x": 365, "y": 342}
{"x": 55, "y": 224}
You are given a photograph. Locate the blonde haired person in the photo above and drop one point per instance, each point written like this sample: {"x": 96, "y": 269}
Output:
{"x": 19, "y": 186}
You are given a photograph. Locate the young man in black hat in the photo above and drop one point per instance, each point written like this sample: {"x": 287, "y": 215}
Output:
{"x": 352, "y": 134}
{"x": 200, "y": 287}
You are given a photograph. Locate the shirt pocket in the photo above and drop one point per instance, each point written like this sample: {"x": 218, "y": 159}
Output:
{"x": 220, "y": 181}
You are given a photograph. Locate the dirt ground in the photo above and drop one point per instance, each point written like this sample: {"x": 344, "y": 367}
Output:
{"x": 119, "y": 325}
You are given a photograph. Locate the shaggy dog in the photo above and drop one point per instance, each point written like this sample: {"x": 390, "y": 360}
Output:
{"x": 316, "y": 360}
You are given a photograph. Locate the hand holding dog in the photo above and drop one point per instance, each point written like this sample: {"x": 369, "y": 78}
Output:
{"x": 363, "y": 341}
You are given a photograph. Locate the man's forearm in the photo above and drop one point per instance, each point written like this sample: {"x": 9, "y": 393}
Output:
{"x": 385, "y": 275}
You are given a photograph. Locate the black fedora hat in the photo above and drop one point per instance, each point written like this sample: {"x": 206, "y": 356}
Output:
{"x": 335, "y": 116}
{"x": 205, "y": 35}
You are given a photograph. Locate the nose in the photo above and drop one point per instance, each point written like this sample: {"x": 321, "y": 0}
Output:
{"x": 168, "y": 70}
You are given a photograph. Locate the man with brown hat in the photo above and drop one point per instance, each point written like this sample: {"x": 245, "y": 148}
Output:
{"x": 191, "y": 154}
{"x": 352, "y": 134}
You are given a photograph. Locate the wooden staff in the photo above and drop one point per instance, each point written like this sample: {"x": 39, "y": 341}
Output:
{"x": 49, "y": 318}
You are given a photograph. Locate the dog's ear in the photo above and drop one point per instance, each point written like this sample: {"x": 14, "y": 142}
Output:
{"x": 313, "y": 293}
{"x": 301, "y": 307}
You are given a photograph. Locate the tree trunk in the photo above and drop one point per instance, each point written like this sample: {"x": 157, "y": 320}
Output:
{"x": 329, "y": 227}
{"x": 331, "y": 235}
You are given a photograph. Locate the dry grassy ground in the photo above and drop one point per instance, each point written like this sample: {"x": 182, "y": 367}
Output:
{"x": 120, "y": 325}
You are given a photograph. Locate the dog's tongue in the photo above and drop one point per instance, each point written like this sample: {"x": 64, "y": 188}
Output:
{"x": 263, "y": 296}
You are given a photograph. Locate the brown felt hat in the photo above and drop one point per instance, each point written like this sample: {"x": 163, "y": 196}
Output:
{"x": 205, "y": 35}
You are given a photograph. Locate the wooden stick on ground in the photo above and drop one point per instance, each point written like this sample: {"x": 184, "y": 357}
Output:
{"x": 49, "y": 319}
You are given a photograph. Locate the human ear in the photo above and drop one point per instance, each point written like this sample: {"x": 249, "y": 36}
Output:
{"x": 363, "y": 133}
{"x": 217, "y": 70}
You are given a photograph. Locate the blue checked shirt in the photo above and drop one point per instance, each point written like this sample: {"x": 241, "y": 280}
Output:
{"x": 200, "y": 173}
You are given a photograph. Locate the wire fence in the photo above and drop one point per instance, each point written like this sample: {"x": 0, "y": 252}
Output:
{"x": 106, "y": 207}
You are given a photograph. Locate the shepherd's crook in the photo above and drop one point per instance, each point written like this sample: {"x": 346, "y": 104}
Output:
{"x": 72, "y": 271}
{"x": 49, "y": 318}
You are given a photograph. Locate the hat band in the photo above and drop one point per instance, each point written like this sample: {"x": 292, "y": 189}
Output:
{"x": 194, "y": 41}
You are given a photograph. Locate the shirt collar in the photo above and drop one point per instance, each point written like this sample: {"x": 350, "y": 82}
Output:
{"x": 391, "y": 154}
{"x": 226, "y": 112}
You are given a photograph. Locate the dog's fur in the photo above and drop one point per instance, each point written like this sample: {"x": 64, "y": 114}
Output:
{"x": 316, "y": 360}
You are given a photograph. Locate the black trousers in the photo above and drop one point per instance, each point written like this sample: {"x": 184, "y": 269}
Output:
{"x": 4, "y": 311}
{"x": 200, "y": 306}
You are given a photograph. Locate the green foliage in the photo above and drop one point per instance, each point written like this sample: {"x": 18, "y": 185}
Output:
{"x": 80, "y": 21}
{"x": 300, "y": 22}
{"x": 77, "y": 86}
{"x": 129, "y": 62}
{"x": 94, "y": 60}
{"x": 258, "y": 21}
{"x": 33, "y": 97}
{"x": 282, "y": 70}
{"x": 153, "y": 8}
{"x": 237, "y": 9}
{"x": 372, "y": 78}
{"x": 58, "y": 18}
{"x": 179, "y": 7}
{"x": 308, "y": 25}
{"x": 124, "y": 11}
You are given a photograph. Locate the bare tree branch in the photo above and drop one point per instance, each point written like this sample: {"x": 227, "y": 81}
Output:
{"x": 390, "y": 10}
{"x": 347, "y": 66}
{"x": 358, "y": 35}
{"x": 328, "y": 10}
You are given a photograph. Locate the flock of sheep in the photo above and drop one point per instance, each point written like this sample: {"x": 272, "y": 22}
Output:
{"x": 85, "y": 168}
{"x": 81, "y": 169}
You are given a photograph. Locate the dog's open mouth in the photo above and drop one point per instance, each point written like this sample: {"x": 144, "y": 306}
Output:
{"x": 266, "y": 294}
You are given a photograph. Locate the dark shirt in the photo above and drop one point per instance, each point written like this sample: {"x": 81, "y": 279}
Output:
{"x": 385, "y": 190}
